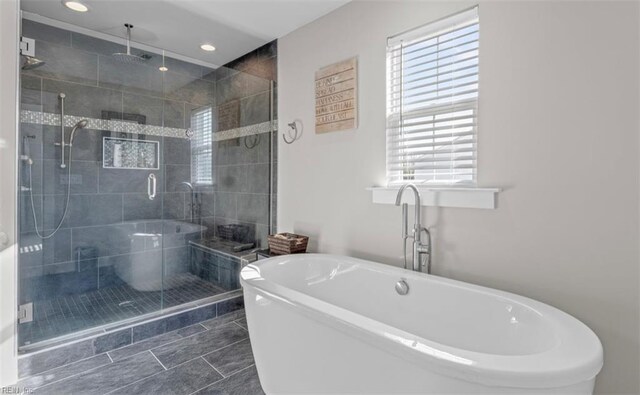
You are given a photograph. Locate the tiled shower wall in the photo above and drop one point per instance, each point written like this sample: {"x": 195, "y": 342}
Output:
{"x": 106, "y": 205}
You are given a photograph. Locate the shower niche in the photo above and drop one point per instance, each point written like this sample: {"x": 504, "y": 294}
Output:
{"x": 121, "y": 153}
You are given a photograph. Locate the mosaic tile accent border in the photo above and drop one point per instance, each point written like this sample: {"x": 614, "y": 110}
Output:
{"x": 250, "y": 130}
{"x": 50, "y": 119}
{"x": 44, "y": 118}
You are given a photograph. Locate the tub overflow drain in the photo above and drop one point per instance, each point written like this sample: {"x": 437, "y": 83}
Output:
{"x": 402, "y": 287}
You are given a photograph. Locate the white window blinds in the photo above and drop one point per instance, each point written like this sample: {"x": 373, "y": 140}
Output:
{"x": 432, "y": 102}
{"x": 201, "y": 146}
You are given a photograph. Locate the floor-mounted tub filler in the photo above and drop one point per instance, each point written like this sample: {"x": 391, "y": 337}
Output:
{"x": 334, "y": 325}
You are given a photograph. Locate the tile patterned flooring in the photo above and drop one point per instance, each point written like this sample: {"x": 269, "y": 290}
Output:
{"x": 68, "y": 314}
{"x": 212, "y": 357}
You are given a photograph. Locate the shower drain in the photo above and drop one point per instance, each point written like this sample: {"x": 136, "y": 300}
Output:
{"x": 126, "y": 303}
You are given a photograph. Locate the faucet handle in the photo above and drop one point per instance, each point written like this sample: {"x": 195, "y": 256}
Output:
{"x": 405, "y": 224}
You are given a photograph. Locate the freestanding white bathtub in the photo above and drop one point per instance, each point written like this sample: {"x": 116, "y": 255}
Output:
{"x": 327, "y": 324}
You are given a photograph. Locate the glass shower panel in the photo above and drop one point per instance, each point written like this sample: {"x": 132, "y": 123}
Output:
{"x": 91, "y": 211}
{"x": 227, "y": 178}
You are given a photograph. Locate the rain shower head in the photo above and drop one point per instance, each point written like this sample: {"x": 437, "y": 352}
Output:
{"x": 128, "y": 57}
{"x": 31, "y": 63}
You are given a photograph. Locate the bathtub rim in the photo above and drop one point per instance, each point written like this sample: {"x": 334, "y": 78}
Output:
{"x": 578, "y": 358}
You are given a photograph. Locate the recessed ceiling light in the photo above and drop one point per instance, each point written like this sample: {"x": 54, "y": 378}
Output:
{"x": 163, "y": 68}
{"x": 76, "y": 6}
{"x": 208, "y": 47}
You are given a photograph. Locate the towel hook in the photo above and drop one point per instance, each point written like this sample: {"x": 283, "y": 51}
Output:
{"x": 293, "y": 125}
{"x": 256, "y": 141}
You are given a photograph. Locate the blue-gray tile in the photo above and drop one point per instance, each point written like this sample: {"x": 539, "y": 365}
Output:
{"x": 66, "y": 64}
{"x": 173, "y": 114}
{"x": 185, "y": 68}
{"x": 230, "y": 305}
{"x": 257, "y": 178}
{"x": 245, "y": 382}
{"x": 155, "y": 341}
{"x": 230, "y": 88}
{"x": 40, "y": 31}
{"x": 135, "y": 78}
{"x": 207, "y": 204}
{"x": 49, "y": 178}
{"x": 253, "y": 208}
{"x": 53, "y": 250}
{"x": 138, "y": 206}
{"x": 242, "y": 322}
{"x": 31, "y": 91}
{"x": 107, "y": 378}
{"x": 182, "y": 379}
{"x": 65, "y": 371}
{"x": 83, "y": 210}
{"x": 232, "y": 358}
{"x": 183, "y": 350}
{"x": 175, "y": 175}
{"x": 225, "y": 205}
{"x": 111, "y": 341}
{"x": 174, "y": 322}
{"x": 126, "y": 181}
{"x": 150, "y": 107}
{"x": 223, "y": 319}
{"x": 108, "y": 240}
{"x": 173, "y": 205}
{"x": 188, "y": 89}
{"x": 80, "y": 100}
{"x": 177, "y": 151}
{"x": 230, "y": 178}
{"x": 87, "y": 145}
{"x": 95, "y": 45}
{"x": 47, "y": 360}
{"x": 255, "y": 109}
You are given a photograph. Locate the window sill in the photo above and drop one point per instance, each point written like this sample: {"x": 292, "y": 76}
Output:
{"x": 440, "y": 196}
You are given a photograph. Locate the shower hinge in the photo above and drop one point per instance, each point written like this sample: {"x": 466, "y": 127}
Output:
{"x": 27, "y": 46}
{"x": 25, "y": 313}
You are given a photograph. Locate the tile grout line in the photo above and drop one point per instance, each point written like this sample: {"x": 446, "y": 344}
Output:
{"x": 72, "y": 376}
{"x": 222, "y": 348}
{"x": 215, "y": 382}
{"x": 161, "y": 364}
{"x": 111, "y": 359}
{"x": 213, "y": 367}
{"x": 155, "y": 374}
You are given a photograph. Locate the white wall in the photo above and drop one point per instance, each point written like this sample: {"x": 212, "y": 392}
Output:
{"x": 558, "y": 131}
{"x": 8, "y": 110}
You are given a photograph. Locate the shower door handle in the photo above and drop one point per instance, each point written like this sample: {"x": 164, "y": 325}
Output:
{"x": 151, "y": 186}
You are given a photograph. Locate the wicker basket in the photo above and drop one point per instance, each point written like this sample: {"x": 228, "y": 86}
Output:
{"x": 287, "y": 243}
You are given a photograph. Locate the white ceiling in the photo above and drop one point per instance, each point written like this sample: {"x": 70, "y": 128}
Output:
{"x": 180, "y": 26}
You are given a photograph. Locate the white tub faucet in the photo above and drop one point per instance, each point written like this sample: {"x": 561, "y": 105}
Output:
{"x": 420, "y": 249}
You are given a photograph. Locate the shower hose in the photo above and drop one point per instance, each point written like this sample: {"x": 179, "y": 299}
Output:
{"x": 66, "y": 203}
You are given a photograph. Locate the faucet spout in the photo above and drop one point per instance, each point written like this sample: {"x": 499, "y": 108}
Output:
{"x": 419, "y": 249}
{"x": 416, "y": 195}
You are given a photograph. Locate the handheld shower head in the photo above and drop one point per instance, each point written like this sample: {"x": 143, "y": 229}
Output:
{"x": 80, "y": 125}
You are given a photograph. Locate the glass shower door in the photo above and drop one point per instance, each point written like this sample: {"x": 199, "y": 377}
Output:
{"x": 91, "y": 206}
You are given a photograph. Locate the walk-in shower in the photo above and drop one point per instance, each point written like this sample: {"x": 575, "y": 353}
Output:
{"x": 142, "y": 182}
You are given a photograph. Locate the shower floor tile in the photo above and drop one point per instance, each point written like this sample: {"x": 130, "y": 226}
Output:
{"x": 72, "y": 313}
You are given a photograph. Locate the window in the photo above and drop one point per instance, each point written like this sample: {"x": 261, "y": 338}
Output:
{"x": 202, "y": 147}
{"x": 432, "y": 102}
